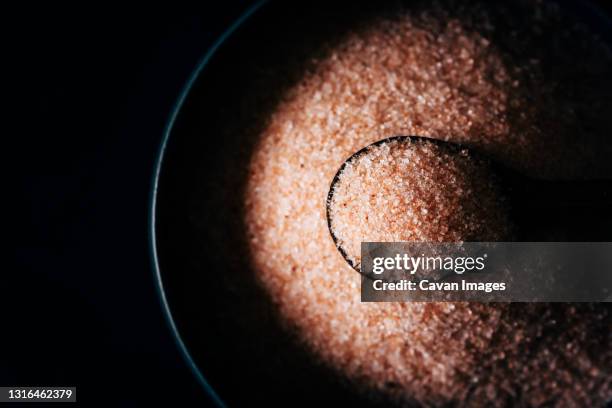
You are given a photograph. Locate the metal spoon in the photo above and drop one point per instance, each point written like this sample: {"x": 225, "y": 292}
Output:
{"x": 541, "y": 210}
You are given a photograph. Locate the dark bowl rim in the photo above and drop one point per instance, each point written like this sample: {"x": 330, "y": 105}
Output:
{"x": 153, "y": 253}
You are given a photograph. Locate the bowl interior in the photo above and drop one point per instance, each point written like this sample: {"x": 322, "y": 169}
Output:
{"x": 228, "y": 326}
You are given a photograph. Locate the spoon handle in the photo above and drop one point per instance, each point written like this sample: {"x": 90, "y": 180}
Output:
{"x": 561, "y": 194}
{"x": 561, "y": 210}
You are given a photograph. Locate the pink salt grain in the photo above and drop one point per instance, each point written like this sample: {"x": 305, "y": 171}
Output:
{"x": 432, "y": 74}
{"x": 414, "y": 190}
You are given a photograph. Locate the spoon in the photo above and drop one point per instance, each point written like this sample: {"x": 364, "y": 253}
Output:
{"x": 540, "y": 210}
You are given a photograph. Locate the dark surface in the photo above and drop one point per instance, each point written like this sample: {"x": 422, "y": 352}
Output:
{"x": 95, "y": 87}
{"x": 80, "y": 306}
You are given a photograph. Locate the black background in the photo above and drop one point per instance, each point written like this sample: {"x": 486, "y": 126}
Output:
{"x": 95, "y": 88}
